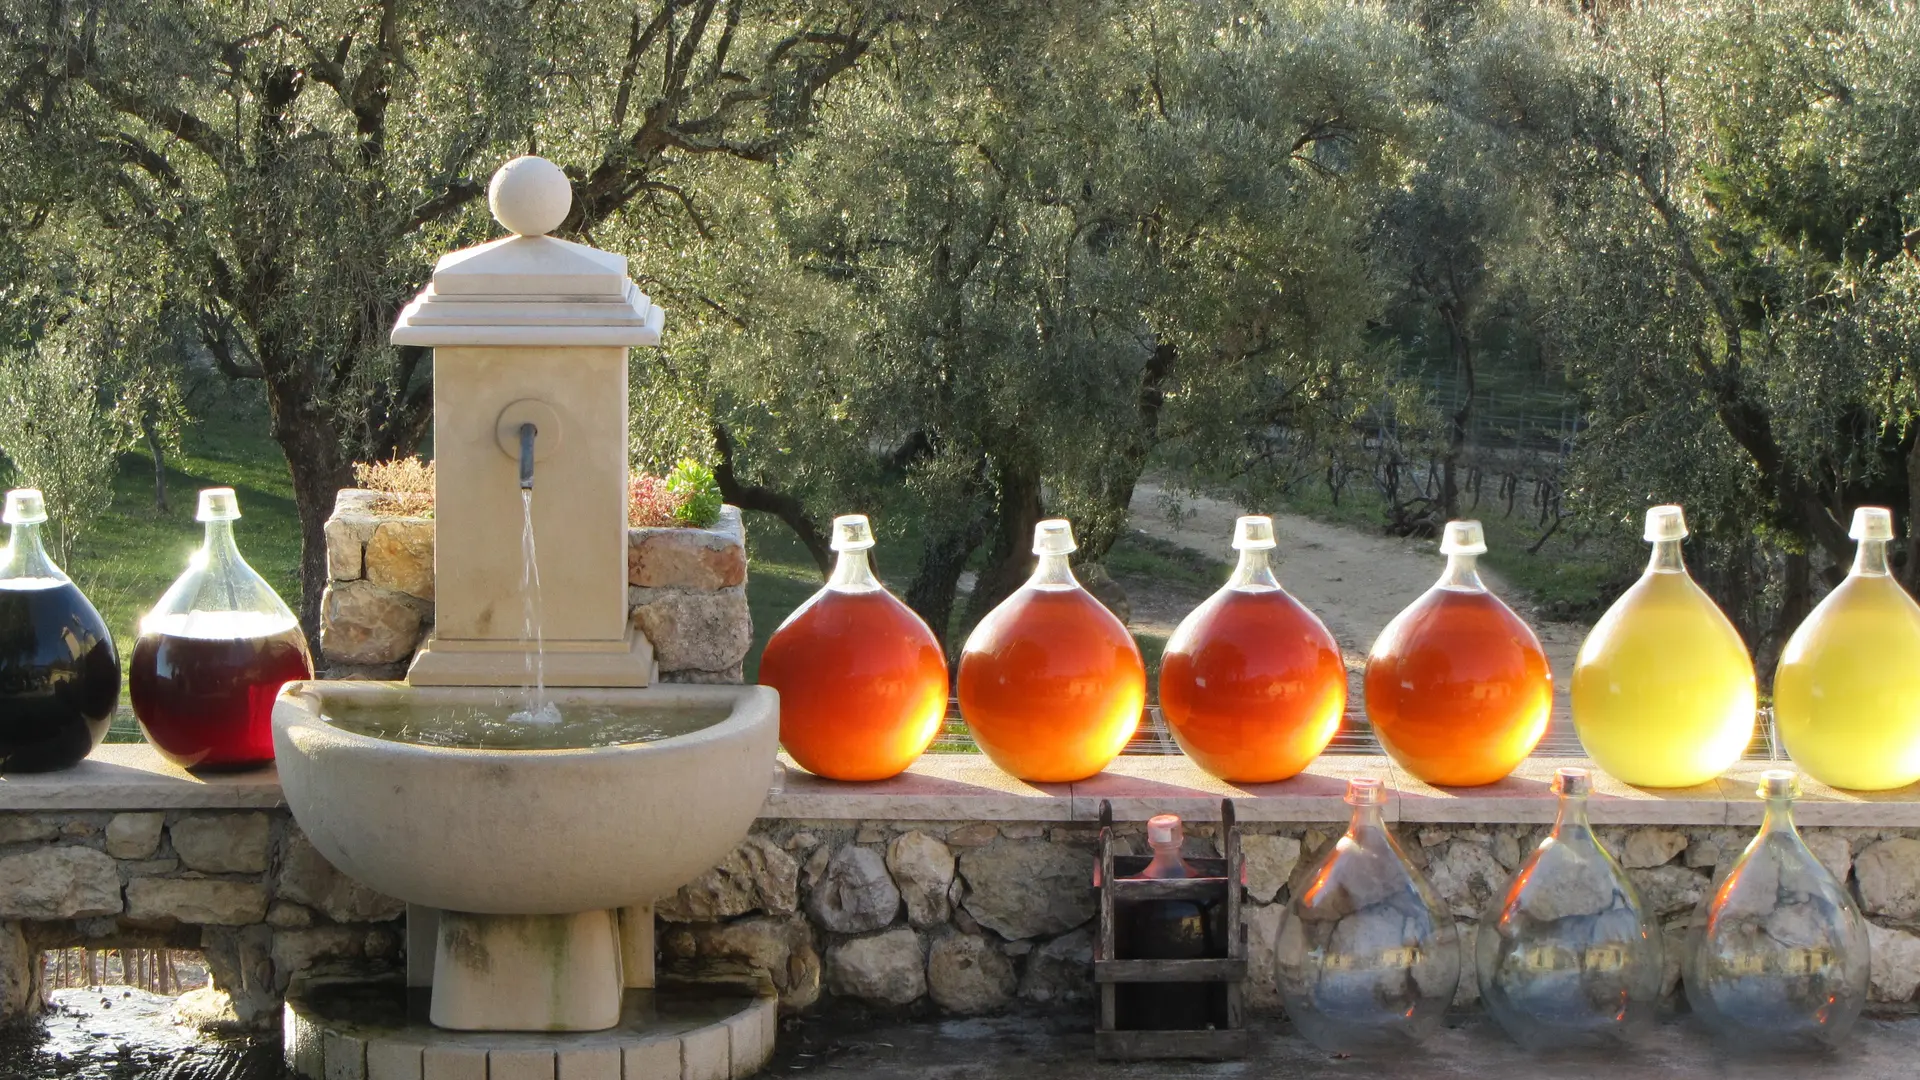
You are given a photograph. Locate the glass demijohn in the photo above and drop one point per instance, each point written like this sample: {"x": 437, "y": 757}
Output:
{"x": 1777, "y": 958}
{"x": 214, "y": 653}
{"x": 1458, "y": 688}
{"x": 1663, "y": 690}
{"x": 1368, "y": 958}
{"x": 1567, "y": 953}
{"x": 1252, "y": 685}
{"x": 59, "y": 673}
{"x": 1846, "y": 697}
{"x": 1164, "y": 930}
{"x": 862, "y": 680}
{"x": 1051, "y": 684}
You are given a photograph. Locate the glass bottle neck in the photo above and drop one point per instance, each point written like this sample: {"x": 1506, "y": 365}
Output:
{"x": 1166, "y": 863}
{"x": 852, "y": 573}
{"x": 1870, "y": 559}
{"x": 1572, "y": 819}
{"x": 1462, "y": 573}
{"x": 1254, "y": 572}
{"x": 1053, "y": 571}
{"x": 1666, "y": 558}
{"x": 25, "y": 557}
{"x": 1367, "y": 824}
{"x": 1778, "y": 819}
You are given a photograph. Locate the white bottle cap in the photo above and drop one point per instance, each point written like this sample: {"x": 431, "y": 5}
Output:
{"x": 1666, "y": 523}
{"x": 1054, "y": 536}
{"x": 852, "y": 532}
{"x": 25, "y": 506}
{"x": 1163, "y": 829}
{"x": 1872, "y": 523}
{"x": 1779, "y": 784}
{"x": 218, "y": 504}
{"x": 1463, "y": 538}
{"x": 1364, "y": 791}
{"x": 1253, "y": 533}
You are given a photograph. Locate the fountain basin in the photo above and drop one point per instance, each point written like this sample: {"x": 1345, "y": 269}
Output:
{"x": 525, "y": 832}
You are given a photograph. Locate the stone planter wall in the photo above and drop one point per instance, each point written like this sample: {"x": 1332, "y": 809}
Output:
{"x": 687, "y": 593}
{"x": 244, "y": 887}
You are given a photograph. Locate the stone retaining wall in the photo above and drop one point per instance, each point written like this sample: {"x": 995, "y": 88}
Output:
{"x": 687, "y": 591}
{"x": 981, "y": 917}
{"x": 243, "y": 887}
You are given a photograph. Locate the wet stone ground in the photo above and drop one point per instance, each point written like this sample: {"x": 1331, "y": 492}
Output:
{"x": 117, "y": 1033}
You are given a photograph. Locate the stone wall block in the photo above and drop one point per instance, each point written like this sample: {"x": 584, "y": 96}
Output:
{"x": 966, "y": 974}
{"x": 240, "y": 962}
{"x": 1889, "y": 874}
{"x": 346, "y": 547}
{"x": 306, "y": 877}
{"x": 364, "y": 623}
{"x": 1647, "y": 848}
{"x": 399, "y": 556}
{"x": 1060, "y": 972}
{"x": 756, "y": 876}
{"x": 1023, "y": 890}
{"x": 1895, "y": 966}
{"x": 779, "y": 947}
{"x": 923, "y": 869}
{"x": 62, "y": 882}
{"x": 199, "y": 901}
{"x": 1270, "y": 862}
{"x": 888, "y": 968}
{"x": 694, "y": 629}
{"x": 856, "y": 894}
{"x": 1466, "y": 876}
{"x": 223, "y": 843}
{"x": 1833, "y": 851}
{"x": 19, "y": 975}
{"x": 672, "y": 558}
{"x": 1263, "y": 937}
{"x": 26, "y": 829}
{"x": 134, "y": 836}
{"x": 1669, "y": 890}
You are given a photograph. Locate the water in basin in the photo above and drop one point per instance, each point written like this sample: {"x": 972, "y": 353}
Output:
{"x": 502, "y": 725}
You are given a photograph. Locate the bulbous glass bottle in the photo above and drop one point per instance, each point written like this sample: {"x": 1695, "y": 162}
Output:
{"x": 1050, "y": 683}
{"x": 1777, "y": 957}
{"x": 1567, "y": 954}
{"x": 59, "y": 672}
{"x": 1251, "y": 685}
{"x": 862, "y": 680}
{"x": 1368, "y": 958}
{"x": 1458, "y": 689}
{"x": 1846, "y": 696}
{"x": 1663, "y": 689}
{"x": 1164, "y": 930}
{"x": 214, "y": 653}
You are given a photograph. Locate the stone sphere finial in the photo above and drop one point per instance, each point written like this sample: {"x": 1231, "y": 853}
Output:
{"x": 530, "y": 196}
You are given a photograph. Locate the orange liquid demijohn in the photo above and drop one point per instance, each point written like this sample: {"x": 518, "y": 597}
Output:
{"x": 1252, "y": 685}
{"x": 1458, "y": 688}
{"x": 862, "y": 681}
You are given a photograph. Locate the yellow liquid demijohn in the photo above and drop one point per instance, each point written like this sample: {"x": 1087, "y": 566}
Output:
{"x": 1846, "y": 697}
{"x": 1663, "y": 690}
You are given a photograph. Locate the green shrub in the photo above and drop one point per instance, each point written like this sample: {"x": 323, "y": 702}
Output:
{"x": 699, "y": 494}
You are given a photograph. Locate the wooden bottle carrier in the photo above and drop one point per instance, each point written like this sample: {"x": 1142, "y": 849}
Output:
{"x": 1222, "y": 881}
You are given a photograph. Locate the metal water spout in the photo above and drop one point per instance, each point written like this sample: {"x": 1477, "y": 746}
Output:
{"x": 527, "y": 433}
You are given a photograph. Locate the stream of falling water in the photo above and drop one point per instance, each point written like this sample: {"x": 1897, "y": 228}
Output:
{"x": 539, "y": 710}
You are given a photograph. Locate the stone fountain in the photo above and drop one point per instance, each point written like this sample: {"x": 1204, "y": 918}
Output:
{"x": 529, "y": 852}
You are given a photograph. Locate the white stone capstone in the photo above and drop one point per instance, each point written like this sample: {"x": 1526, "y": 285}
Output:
{"x": 889, "y": 968}
{"x": 64, "y": 882}
{"x": 530, "y": 196}
{"x": 968, "y": 975}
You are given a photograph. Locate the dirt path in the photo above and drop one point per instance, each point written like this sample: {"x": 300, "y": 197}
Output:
{"x": 1356, "y": 581}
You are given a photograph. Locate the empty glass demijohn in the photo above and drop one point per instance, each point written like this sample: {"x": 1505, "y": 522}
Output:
{"x": 862, "y": 680}
{"x": 1846, "y": 697}
{"x": 1458, "y": 688}
{"x": 1368, "y": 958}
{"x": 1663, "y": 689}
{"x": 1251, "y": 684}
{"x": 1777, "y": 958}
{"x": 1051, "y": 684}
{"x": 214, "y": 653}
{"x": 59, "y": 673}
{"x": 1567, "y": 954}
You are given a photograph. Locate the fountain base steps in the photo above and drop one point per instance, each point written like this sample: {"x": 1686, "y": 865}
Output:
{"x": 381, "y": 1031}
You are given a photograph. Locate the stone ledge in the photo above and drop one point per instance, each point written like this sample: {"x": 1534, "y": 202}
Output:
{"x": 966, "y": 787}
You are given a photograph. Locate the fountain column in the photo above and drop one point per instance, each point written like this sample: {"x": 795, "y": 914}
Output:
{"x": 530, "y": 329}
